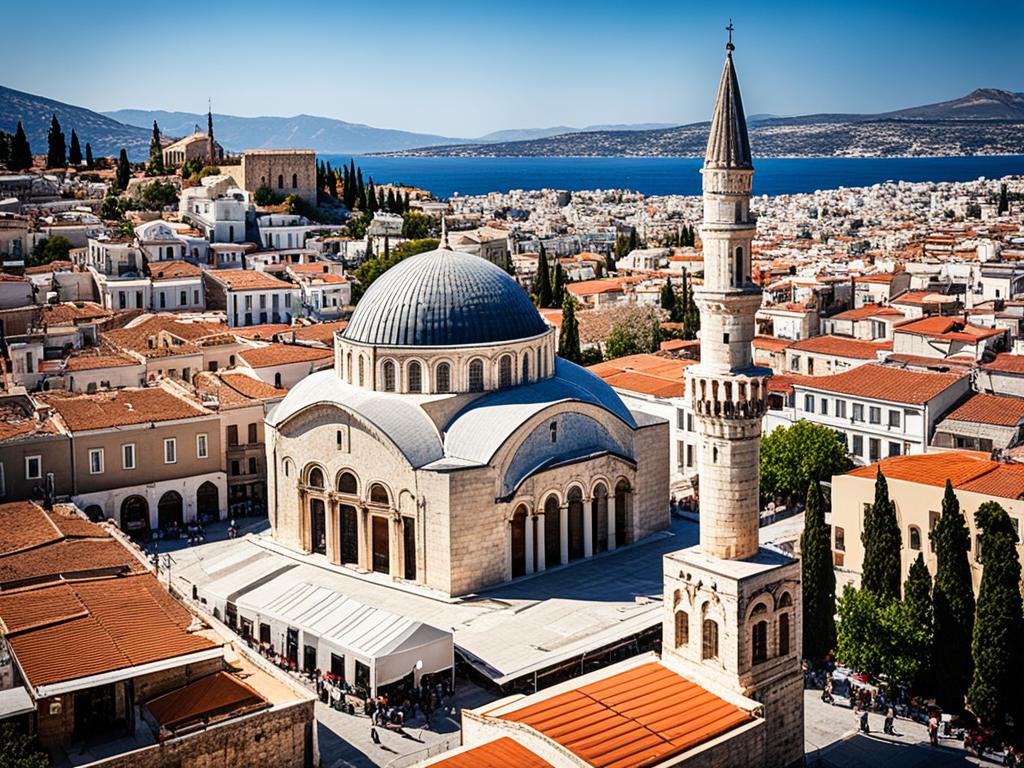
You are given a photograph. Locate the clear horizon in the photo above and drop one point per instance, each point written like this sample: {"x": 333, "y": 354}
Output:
{"x": 460, "y": 70}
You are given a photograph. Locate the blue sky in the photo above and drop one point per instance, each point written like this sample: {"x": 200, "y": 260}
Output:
{"x": 467, "y": 68}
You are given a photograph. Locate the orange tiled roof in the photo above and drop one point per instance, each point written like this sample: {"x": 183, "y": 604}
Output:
{"x": 896, "y": 385}
{"x": 868, "y": 310}
{"x": 68, "y": 630}
{"x": 1000, "y": 410}
{"x": 171, "y": 270}
{"x": 321, "y": 332}
{"x": 840, "y": 346}
{"x": 936, "y": 363}
{"x": 236, "y": 390}
{"x": 70, "y": 313}
{"x": 771, "y": 343}
{"x": 594, "y": 287}
{"x": 122, "y": 407}
{"x": 283, "y": 354}
{"x": 248, "y": 280}
{"x": 207, "y": 699}
{"x": 645, "y": 373}
{"x": 641, "y": 716}
{"x": 265, "y": 331}
{"x": 966, "y": 470}
{"x": 1006, "y": 363}
{"x": 948, "y": 328}
{"x": 500, "y": 753}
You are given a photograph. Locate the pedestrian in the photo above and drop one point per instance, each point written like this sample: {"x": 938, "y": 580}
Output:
{"x": 374, "y": 736}
{"x": 864, "y": 721}
{"x": 889, "y": 717}
{"x": 933, "y": 729}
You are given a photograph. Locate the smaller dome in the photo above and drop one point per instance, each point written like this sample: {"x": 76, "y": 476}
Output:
{"x": 444, "y": 298}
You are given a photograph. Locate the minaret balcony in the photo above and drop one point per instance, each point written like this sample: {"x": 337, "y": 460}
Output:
{"x": 732, "y": 396}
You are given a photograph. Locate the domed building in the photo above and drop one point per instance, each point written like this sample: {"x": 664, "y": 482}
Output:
{"x": 450, "y": 447}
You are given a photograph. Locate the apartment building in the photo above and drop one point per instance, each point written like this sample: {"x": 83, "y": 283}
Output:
{"x": 827, "y": 355}
{"x": 35, "y": 454}
{"x": 285, "y": 365}
{"x": 251, "y": 298}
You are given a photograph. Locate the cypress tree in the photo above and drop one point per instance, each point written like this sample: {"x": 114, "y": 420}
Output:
{"x": 917, "y": 596}
{"x": 89, "y": 162}
{"x": 371, "y": 197}
{"x": 155, "y": 167}
{"x": 405, "y": 202}
{"x": 684, "y": 295}
{"x": 569, "y": 336}
{"x": 75, "y": 150}
{"x": 124, "y": 170}
{"x": 691, "y": 321}
{"x": 391, "y": 201}
{"x": 1004, "y": 202}
{"x": 360, "y": 190}
{"x": 881, "y": 539}
{"x": 558, "y": 287}
{"x": 542, "y": 282}
{"x": 381, "y": 204}
{"x": 998, "y": 625}
{"x": 56, "y": 152}
{"x": 819, "y": 578}
{"x": 668, "y": 297}
{"x": 332, "y": 181}
{"x": 21, "y": 153}
{"x": 346, "y": 182}
{"x": 953, "y": 600}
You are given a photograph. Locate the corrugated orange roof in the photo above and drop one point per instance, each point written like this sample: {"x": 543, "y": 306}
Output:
{"x": 647, "y": 374}
{"x": 209, "y": 698}
{"x": 1000, "y": 410}
{"x": 500, "y": 753}
{"x": 636, "y": 717}
{"x": 1007, "y": 363}
{"x": 948, "y": 328}
{"x": 896, "y": 385}
{"x": 771, "y": 343}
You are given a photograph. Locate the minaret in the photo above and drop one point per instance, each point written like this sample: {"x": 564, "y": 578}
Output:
{"x": 727, "y": 392}
{"x": 209, "y": 132}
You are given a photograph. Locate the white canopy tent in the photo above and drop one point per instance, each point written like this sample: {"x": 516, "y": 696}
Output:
{"x": 389, "y": 645}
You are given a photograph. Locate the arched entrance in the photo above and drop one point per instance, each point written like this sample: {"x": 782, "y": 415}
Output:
{"x": 622, "y": 531}
{"x": 381, "y": 544}
{"x": 95, "y": 513}
{"x": 317, "y": 527}
{"x": 552, "y": 533}
{"x": 135, "y": 517}
{"x": 599, "y": 518}
{"x": 519, "y": 542}
{"x": 170, "y": 511}
{"x": 208, "y": 502}
{"x": 575, "y": 512}
{"x": 348, "y": 533}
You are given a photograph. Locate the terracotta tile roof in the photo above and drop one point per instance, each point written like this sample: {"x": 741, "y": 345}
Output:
{"x": 771, "y": 343}
{"x": 171, "y": 270}
{"x": 283, "y": 354}
{"x": 647, "y": 374}
{"x": 24, "y": 525}
{"x": 1000, "y": 410}
{"x": 166, "y": 335}
{"x": 205, "y": 700}
{"x": 783, "y": 382}
{"x": 248, "y": 280}
{"x": 265, "y": 331}
{"x": 841, "y": 346}
{"x": 122, "y": 408}
{"x": 966, "y": 470}
{"x": 7, "y": 277}
{"x": 321, "y": 332}
{"x": 896, "y": 385}
{"x": 69, "y": 558}
{"x": 641, "y": 716}
{"x": 868, "y": 311}
{"x": 923, "y": 298}
{"x": 594, "y": 287}
{"x": 947, "y": 328}
{"x": 16, "y": 424}
{"x": 236, "y": 390}
{"x": 500, "y": 753}
{"x": 68, "y": 630}
{"x": 934, "y": 363}
{"x": 72, "y": 313}
{"x": 1006, "y": 363}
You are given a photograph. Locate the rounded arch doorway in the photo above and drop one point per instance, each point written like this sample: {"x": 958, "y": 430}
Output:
{"x": 208, "y": 502}
{"x": 135, "y": 517}
{"x": 170, "y": 511}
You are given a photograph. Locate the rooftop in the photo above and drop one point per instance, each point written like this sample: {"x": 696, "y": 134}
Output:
{"x": 647, "y": 374}
{"x": 998, "y": 410}
{"x": 1006, "y": 363}
{"x": 248, "y": 280}
{"x": 879, "y": 382}
{"x": 284, "y": 354}
{"x": 841, "y": 346}
{"x": 173, "y": 270}
{"x": 948, "y": 329}
{"x": 500, "y": 753}
{"x": 122, "y": 408}
{"x": 203, "y": 701}
{"x": 966, "y": 470}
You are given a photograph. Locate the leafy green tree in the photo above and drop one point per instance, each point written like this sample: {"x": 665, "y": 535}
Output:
{"x": 879, "y": 636}
{"x": 609, "y": 262}
{"x": 21, "y": 153}
{"x": 75, "y": 150}
{"x": 542, "y": 281}
{"x": 668, "y": 298}
{"x": 89, "y": 162}
{"x": 998, "y": 650}
{"x": 880, "y": 572}
{"x": 124, "y": 170}
{"x": 155, "y": 167}
{"x": 791, "y": 457}
{"x": 113, "y": 206}
{"x": 264, "y": 196}
{"x": 17, "y": 749}
{"x": 635, "y": 330}
{"x": 49, "y": 249}
{"x": 415, "y": 226}
{"x": 374, "y": 267}
{"x": 5, "y": 147}
{"x": 953, "y": 600}
{"x": 819, "y": 578}
{"x": 569, "y": 336}
{"x": 56, "y": 149}
{"x": 158, "y": 194}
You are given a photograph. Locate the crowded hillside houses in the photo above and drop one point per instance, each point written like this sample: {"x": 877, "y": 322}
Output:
{"x": 221, "y": 355}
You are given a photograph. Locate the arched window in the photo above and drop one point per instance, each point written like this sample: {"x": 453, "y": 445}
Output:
{"x": 444, "y": 378}
{"x": 505, "y": 372}
{"x": 783, "y": 634}
{"x": 739, "y": 266}
{"x": 360, "y": 371}
{"x": 526, "y": 368}
{"x": 388, "y": 369}
{"x": 915, "y": 537}
{"x": 785, "y": 601}
{"x": 415, "y": 377}
{"x": 286, "y": 465}
{"x": 348, "y": 367}
{"x": 295, "y": 181}
{"x": 280, "y": 181}
{"x": 316, "y": 478}
{"x": 379, "y": 494}
{"x": 682, "y": 629}
{"x": 277, "y": 380}
{"x": 709, "y": 639}
{"x": 476, "y": 376}
{"x": 347, "y": 483}
{"x": 759, "y": 637}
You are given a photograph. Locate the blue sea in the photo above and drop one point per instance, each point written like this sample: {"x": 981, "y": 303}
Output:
{"x": 446, "y": 176}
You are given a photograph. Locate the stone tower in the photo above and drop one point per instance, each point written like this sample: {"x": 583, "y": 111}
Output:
{"x": 732, "y": 608}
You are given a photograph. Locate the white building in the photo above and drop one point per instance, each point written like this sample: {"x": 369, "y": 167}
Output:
{"x": 250, "y": 297}
{"x": 218, "y": 208}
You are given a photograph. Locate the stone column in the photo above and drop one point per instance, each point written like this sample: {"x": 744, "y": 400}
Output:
{"x": 362, "y": 531}
{"x": 588, "y": 528}
{"x": 541, "y": 557}
{"x": 332, "y": 527}
{"x": 610, "y": 514}
{"x": 563, "y": 532}
{"x": 394, "y": 544}
{"x": 529, "y": 543}
{"x": 304, "y": 534}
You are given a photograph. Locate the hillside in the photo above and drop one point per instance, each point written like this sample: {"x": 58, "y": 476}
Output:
{"x": 107, "y": 136}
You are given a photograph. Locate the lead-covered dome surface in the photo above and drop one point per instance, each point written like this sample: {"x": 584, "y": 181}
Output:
{"x": 444, "y": 298}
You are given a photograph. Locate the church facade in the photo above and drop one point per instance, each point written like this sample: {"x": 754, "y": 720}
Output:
{"x": 449, "y": 447}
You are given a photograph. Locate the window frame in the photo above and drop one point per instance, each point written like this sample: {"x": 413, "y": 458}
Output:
{"x": 38, "y": 458}
{"x": 173, "y": 443}
{"x": 94, "y": 453}
{"x": 203, "y": 445}
{"x": 135, "y": 461}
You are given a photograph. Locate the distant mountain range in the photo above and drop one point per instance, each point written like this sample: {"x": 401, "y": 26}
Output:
{"x": 986, "y": 121}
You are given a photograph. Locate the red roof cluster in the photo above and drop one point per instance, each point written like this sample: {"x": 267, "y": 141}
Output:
{"x": 841, "y": 346}
{"x": 880, "y": 382}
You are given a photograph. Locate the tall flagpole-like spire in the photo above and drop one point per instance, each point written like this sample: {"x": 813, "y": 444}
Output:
{"x": 444, "y": 232}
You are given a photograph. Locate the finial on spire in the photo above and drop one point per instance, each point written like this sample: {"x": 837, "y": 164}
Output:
{"x": 729, "y": 46}
{"x": 444, "y": 232}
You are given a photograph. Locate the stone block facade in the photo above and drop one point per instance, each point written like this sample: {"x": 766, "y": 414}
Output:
{"x": 285, "y": 171}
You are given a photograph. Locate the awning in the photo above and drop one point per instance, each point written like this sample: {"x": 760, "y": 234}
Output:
{"x": 15, "y": 701}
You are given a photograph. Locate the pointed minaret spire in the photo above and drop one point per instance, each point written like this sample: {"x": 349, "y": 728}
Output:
{"x": 728, "y": 144}
{"x": 444, "y": 232}
{"x": 209, "y": 130}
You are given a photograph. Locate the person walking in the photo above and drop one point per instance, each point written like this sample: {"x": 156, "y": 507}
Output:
{"x": 933, "y": 729}
{"x": 890, "y": 715}
{"x": 864, "y": 721}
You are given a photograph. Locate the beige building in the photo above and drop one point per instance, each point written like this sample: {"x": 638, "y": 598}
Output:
{"x": 195, "y": 147}
{"x": 449, "y": 447}
{"x": 916, "y": 487}
{"x": 284, "y": 171}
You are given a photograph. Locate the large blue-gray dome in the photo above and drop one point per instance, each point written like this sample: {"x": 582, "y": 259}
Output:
{"x": 444, "y": 298}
